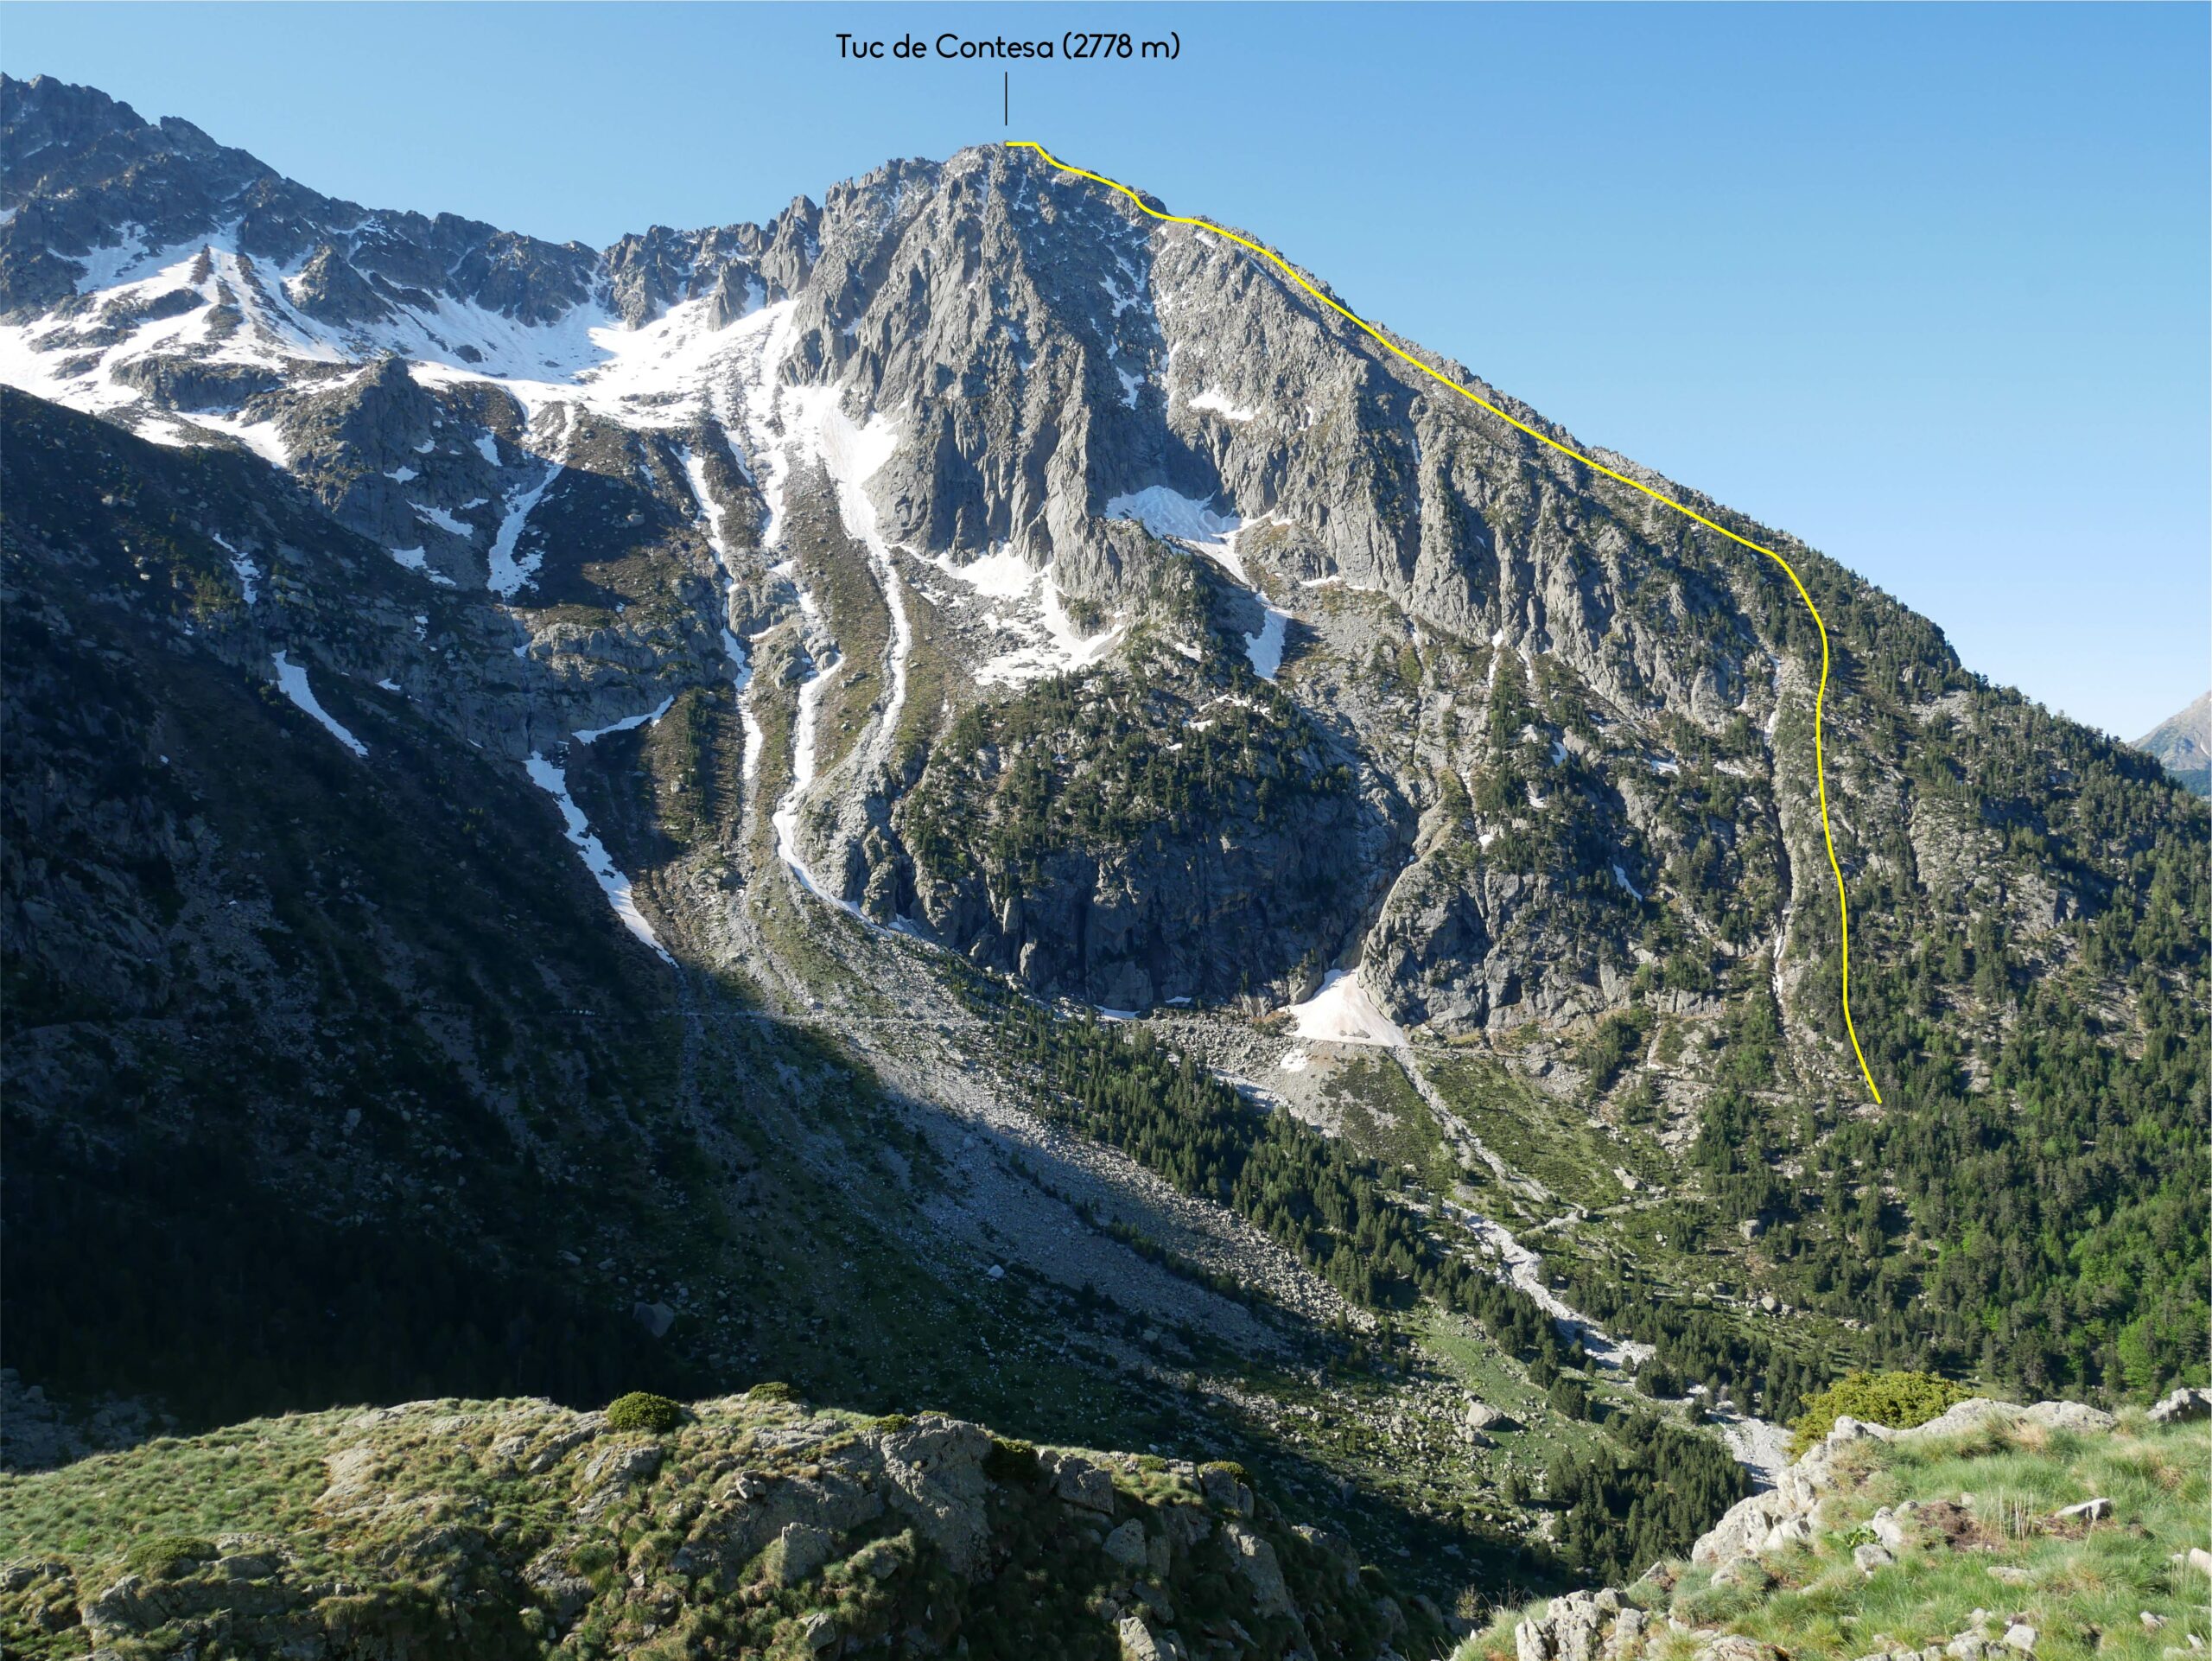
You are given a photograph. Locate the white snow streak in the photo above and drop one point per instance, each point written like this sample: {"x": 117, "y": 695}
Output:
{"x": 615, "y": 885}
{"x": 628, "y": 723}
{"x": 506, "y": 573}
{"x": 247, "y": 575}
{"x": 446, "y": 522}
{"x": 293, "y": 679}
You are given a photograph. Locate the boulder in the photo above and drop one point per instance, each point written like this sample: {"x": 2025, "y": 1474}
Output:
{"x": 1126, "y": 1546}
{"x": 1079, "y": 1482}
{"x": 1256, "y": 1561}
{"x": 798, "y": 1552}
{"x": 2183, "y": 1405}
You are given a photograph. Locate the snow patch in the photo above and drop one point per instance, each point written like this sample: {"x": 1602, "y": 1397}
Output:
{"x": 1265, "y": 648}
{"x": 1172, "y": 516}
{"x": 259, "y": 436}
{"x": 445, "y": 521}
{"x": 293, "y": 679}
{"x": 1221, "y": 406}
{"x": 1345, "y": 1012}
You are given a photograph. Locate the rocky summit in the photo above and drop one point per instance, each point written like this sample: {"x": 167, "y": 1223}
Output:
{"x": 968, "y": 799}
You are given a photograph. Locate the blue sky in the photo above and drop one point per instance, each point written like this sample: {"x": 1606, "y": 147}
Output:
{"x": 1927, "y": 286}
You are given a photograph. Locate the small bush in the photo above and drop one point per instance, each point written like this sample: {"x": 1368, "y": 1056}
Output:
{"x": 642, "y": 1410}
{"x": 1012, "y": 1462}
{"x": 1896, "y": 1400}
{"x": 774, "y": 1391}
{"x": 164, "y": 1557}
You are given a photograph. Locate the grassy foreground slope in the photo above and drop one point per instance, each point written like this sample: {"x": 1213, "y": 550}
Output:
{"x": 751, "y": 1525}
{"x": 1947, "y": 1545}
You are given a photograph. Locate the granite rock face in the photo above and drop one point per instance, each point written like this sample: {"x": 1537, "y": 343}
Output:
{"x": 963, "y": 428}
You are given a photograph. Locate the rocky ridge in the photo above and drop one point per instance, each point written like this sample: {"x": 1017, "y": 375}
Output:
{"x": 754, "y": 1524}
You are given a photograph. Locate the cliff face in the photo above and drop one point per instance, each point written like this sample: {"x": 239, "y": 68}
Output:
{"x": 972, "y": 422}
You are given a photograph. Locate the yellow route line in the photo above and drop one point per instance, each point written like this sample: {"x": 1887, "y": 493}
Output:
{"x": 1820, "y": 696}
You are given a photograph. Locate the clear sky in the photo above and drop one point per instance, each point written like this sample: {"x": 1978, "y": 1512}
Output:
{"x": 1927, "y": 286}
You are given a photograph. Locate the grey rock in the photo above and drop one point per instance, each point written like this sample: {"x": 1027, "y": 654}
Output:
{"x": 623, "y": 1464}
{"x": 1256, "y": 1561}
{"x": 2179, "y": 1407}
{"x": 1126, "y": 1546}
{"x": 1870, "y": 1558}
{"x": 1079, "y": 1482}
{"x": 1140, "y": 1642}
{"x": 798, "y": 1552}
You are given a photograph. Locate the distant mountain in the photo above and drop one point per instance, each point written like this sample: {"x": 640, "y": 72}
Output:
{"x": 2183, "y": 743}
{"x": 966, "y": 799}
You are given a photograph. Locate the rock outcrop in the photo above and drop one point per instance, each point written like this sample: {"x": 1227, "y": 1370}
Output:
{"x": 759, "y": 1525}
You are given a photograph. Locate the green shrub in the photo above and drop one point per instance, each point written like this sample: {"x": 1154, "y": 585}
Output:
{"x": 1897, "y": 1400}
{"x": 773, "y": 1390}
{"x": 642, "y": 1410}
{"x": 164, "y": 1557}
{"x": 1012, "y": 1462}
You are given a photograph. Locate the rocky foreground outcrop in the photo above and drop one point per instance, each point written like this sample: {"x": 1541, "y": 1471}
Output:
{"x": 1822, "y": 1532}
{"x": 757, "y": 1526}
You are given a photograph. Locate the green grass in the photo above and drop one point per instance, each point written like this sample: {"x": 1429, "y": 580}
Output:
{"x": 1552, "y": 1141}
{"x": 427, "y": 1515}
{"x": 2084, "y": 1590}
{"x": 1385, "y": 1117}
